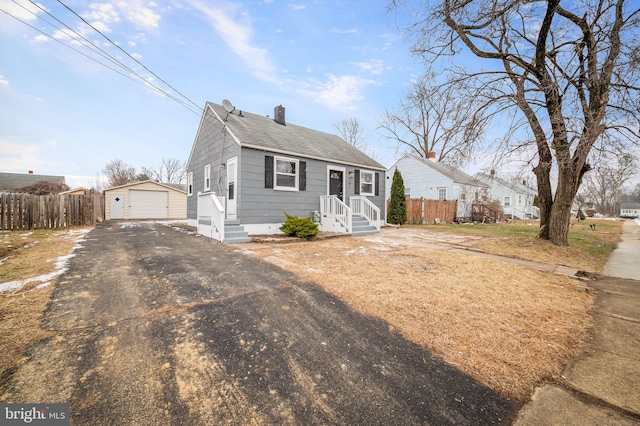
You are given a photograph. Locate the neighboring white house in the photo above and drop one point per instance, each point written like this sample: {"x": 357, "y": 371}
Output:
{"x": 429, "y": 179}
{"x": 516, "y": 199}
{"x": 630, "y": 210}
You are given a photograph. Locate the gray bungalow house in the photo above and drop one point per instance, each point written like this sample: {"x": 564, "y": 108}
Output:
{"x": 245, "y": 170}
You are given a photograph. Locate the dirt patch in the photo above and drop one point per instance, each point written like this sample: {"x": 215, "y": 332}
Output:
{"x": 509, "y": 327}
{"x": 28, "y": 254}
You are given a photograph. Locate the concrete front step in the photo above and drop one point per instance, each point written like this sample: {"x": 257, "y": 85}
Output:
{"x": 234, "y": 233}
{"x": 361, "y": 226}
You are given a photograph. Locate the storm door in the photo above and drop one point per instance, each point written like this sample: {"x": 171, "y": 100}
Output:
{"x": 336, "y": 183}
{"x": 232, "y": 189}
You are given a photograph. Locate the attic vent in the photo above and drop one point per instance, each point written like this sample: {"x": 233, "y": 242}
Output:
{"x": 278, "y": 115}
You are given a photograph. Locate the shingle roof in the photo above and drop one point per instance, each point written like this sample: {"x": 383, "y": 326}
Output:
{"x": 456, "y": 175}
{"x": 20, "y": 180}
{"x": 261, "y": 132}
{"x": 516, "y": 187}
{"x": 630, "y": 205}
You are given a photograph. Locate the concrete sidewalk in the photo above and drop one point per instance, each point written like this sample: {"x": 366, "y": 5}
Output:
{"x": 602, "y": 387}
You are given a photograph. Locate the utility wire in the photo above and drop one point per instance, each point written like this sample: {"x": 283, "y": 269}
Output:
{"x": 140, "y": 79}
{"x": 127, "y": 53}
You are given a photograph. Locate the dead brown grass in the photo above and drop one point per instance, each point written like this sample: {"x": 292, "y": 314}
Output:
{"x": 509, "y": 327}
{"x": 30, "y": 254}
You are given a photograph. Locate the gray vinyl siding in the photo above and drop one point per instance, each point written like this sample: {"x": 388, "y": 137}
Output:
{"x": 258, "y": 204}
{"x": 207, "y": 150}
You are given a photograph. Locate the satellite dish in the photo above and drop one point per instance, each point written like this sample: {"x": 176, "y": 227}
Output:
{"x": 228, "y": 106}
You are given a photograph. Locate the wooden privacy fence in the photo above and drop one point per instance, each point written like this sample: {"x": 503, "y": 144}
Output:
{"x": 28, "y": 211}
{"x": 421, "y": 211}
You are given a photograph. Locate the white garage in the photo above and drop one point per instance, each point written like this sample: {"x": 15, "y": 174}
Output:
{"x": 145, "y": 200}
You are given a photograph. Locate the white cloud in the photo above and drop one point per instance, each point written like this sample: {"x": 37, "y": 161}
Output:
{"x": 136, "y": 56}
{"x": 102, "y": 12}
{"x": 374, "y": 67}
{"x": 350, "y": 31}
{"x": 233, "y": 26}
{"x": 338, "y": 92}
{"x": 41, "y": 38}
{"x": 23, "y": 10}
{"x": 141, "y": 15}
{"x": 3, "y": 81}
{"x": 18, "y": 157}
{"x": 297, "y": 6}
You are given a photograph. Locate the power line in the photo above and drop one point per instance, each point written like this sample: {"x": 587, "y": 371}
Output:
{"x": 127, "y": 53}
{"x": 140, "y": 79}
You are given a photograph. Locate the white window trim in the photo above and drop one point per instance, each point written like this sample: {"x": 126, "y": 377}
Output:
{"x": 275, "y": 174}
{"x": 373, "y": 183}
{"x": 190, "y": 183}
{"x": 207, "y": 177}
{"x": 446, "y": 193}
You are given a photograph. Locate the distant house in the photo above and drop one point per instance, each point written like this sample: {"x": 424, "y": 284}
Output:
{"x": 145, "y": 200}
{"x": 432, "y": 180}
{"x": 245, "y": 170}
{"x": 630, "y": 210}
{"x": 75, "y": 191}
{"x": 13, "y": 181}
{"x": 516, "y": 199}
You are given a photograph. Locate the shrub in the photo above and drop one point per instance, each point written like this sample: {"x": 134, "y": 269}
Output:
{"x": 398, "y": 203}
{"x": 301, "y": 227}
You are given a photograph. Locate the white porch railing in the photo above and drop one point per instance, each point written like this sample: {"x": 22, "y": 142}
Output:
{"x": 331, "y": 206}
{"x": 361, "y": 206}
{"x": 210, "y": 216}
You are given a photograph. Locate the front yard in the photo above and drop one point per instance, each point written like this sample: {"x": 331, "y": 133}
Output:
{"x": 509, "y": 327}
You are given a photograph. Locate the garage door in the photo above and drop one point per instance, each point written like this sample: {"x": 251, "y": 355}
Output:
{"x": 148, "y": 204}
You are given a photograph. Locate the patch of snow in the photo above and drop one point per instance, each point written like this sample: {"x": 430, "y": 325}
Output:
{"x": 61, "y": 266}
{"x": 359, "y": 250}
{"x": 27, "y": 234}
{"x": 637, "y": 221}
{"x": 5, "y": 258}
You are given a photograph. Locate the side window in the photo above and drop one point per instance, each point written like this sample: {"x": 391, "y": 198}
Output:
{"x": 507, "y": 201}
{"x": 442, "y": 194}
{"x": 207, "y": 177}
{"x": 190, "y": 183}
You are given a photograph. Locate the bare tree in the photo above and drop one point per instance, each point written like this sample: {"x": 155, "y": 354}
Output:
{"x": 351, "y": 131}
{"x": 565, "y": 75}
{"x": 170, "y": 170}
{"x": 119, "y": 173}
{"x": 438, "y": 118}
{"x": 603, "y": 185}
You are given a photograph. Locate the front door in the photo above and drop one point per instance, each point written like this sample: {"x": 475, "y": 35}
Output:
{"x": 232, "y": 189}
{"x": 336, "y": 183}
{"x": 117, "y": 206}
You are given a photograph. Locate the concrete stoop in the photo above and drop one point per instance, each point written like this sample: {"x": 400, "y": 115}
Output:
{"x": 361, "y": 226}
{"x": 234, "y": 233}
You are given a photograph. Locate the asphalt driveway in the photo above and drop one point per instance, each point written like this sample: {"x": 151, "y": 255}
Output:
{"x": 151, "y": 325}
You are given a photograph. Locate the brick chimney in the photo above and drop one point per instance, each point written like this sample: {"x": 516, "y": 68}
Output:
{"x": 493, "y": 172}
{"x": 524, "y": 182}
{"x": 432, "y": 155}
{"x": 278, "y": 115}
{"x": 30, "y": 172}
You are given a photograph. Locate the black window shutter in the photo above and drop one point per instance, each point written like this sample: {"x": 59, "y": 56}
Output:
{"x": 377, "y": 180}
{"x": 357, "y": 182}
{"x": 268, "y": 171}
{"x": 302, "y": 176}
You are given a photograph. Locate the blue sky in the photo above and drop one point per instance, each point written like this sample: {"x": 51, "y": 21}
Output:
{"x": 64, "y": 114}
